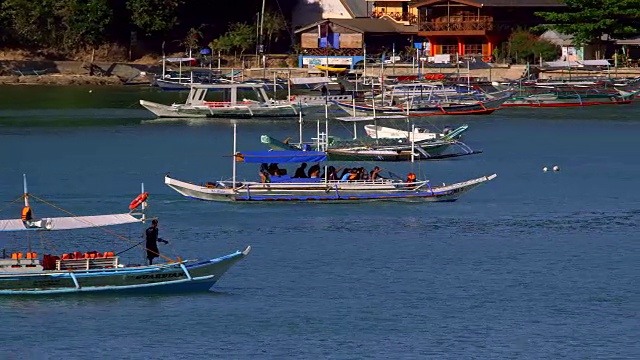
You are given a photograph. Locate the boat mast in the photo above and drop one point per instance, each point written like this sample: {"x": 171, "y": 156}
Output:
{"x": 300, "y": 127}
{"x": 353, "y": 103}
{"x": 233, "y": 181}
{"x": 413, "y": 144}
{"x": 375, "y": 122}
{"x": 164, "y": 62}
{"x": 318, "y": 148}
{"x": 364, "y": 66}
{"x": 326, "y": 134}
{"x": 26, "y": 193}
{"x": 26, "y": 204}
{"x": 144, "y": 203}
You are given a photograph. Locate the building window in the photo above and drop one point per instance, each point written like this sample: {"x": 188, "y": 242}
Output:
{"x": 450, "y": 49}
{"x": 473, "y": 49}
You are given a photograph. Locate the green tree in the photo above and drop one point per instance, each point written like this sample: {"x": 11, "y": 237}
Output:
{"x": 34, "y": 23}
{"x": 240, "y": 37}
{"x": 86, "y": 22}
{"x": 154, "y": 15}
{"x": 57, "y": 24}
{"x": 192, "y": 39}
{"x": 274, "y": 23}
{"x": 588, "y": 20}
{"x": 528, "y": 46}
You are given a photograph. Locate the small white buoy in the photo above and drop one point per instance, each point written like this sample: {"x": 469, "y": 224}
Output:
{"x": 545, "y": 169}
{"x": 90, "y": 91}
{"x": 556, "y": 168}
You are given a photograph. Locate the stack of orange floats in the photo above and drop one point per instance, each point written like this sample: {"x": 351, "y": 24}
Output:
{"x": 88, "y": 255}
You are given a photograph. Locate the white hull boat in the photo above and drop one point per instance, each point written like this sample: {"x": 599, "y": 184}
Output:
{"x": 231, "y": 106}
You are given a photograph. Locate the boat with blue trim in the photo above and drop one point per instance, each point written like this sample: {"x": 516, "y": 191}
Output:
{"x": 92, "y": 271}
{"x": 328, "y": 187}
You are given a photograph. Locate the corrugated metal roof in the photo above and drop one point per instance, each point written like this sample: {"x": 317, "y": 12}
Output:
{"x": 522, "y": 3}
{"x": 357, "y": 8}
{"x": 499, "y": 3}
{"x": 369, "y": 25}
{"x": 366, "y": 25}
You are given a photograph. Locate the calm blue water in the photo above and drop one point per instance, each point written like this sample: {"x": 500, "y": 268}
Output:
{"x": 531, "y": 265}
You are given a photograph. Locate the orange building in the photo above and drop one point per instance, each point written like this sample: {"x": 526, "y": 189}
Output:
{"x": 475, "y": 27}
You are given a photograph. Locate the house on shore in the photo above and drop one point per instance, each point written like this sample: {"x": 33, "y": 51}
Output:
{"x": 343, "y": 28}
{"x": 475, "y": 27}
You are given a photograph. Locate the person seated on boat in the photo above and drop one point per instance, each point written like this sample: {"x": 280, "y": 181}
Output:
{"x": 411, "y": 179}
{"x": 364, "y": 175}
{"x": 332, "y": 173}
{"x": 446, "y": 130}
{"x": 345, "y": 174}
{"x": 300, "y": 173}
{"x": 273, "y": 169}
{"x": 342, "y": 89}
{"x": 375, "y": 173}
{"x": 323, "y": 90}
{"x": 353, "y": 175}
{"x": 314, "y": 171}
{"x": 265, "y": 177}
{"x": 152, "y": 240}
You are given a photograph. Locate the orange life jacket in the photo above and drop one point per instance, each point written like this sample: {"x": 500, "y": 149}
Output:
{"x": 26, "y": 214}
{"x": 411, "y": 177}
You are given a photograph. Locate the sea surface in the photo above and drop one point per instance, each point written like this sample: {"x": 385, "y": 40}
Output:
{"x": 532, "y": 265}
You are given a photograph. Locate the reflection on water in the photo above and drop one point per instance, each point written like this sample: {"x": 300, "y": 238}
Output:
{"x": 518, "y": 268}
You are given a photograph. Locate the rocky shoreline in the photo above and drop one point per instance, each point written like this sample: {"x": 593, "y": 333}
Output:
{"x": 59, "y": 79}
{"x": 22, "y": 72}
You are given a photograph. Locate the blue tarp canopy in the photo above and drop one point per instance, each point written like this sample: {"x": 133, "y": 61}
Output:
{"x": 293, "y": 156}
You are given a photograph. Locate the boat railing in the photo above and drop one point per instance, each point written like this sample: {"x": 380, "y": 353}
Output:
{"x": 226, "y": 104}
{"x": 86, "y": 264}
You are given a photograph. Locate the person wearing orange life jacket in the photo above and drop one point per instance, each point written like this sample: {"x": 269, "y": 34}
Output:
{"x": 27, "y": 214}
{"x": 411, "y": 178}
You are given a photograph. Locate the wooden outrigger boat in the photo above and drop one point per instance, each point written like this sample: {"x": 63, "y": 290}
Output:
{"x": 232, "y": 104}
{"x": 568, "y": 96}
{"x": 82, "y": 272}
{"x": 325, "y": 188}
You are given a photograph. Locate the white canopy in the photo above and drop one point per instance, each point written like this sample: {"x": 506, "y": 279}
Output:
{"x": 68, "y": 223}
{"x": 310, "y": 80}
{"x": 179, "y": 59}
{"x": 577, "y": 63}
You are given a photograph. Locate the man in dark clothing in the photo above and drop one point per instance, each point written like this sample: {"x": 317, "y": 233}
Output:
{"x": 152, "y": 241}
{"x": 300, "y": 173}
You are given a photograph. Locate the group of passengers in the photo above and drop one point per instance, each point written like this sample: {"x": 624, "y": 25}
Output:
{"x": 347, "y": 174}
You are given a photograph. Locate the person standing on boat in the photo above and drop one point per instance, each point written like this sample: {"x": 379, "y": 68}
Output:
{"x": 152, "y": 241}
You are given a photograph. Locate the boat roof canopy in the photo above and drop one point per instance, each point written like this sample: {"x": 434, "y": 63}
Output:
{"x": 293, "y": 156}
